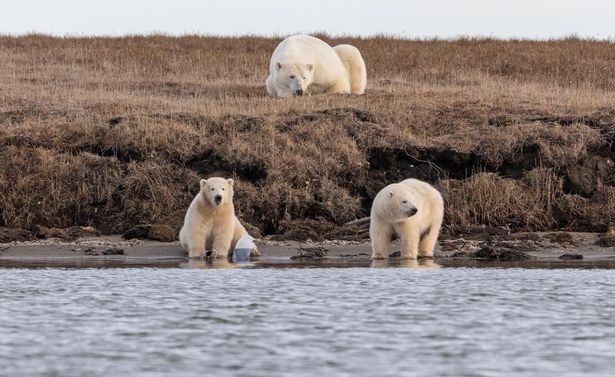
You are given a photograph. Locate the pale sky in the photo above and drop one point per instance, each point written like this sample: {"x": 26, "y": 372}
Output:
{"x": 411, "y": 19}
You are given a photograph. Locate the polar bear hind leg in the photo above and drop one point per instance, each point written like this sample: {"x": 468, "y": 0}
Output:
{"x": 355, "y": 66}
{"x": 343, "y": 86}
{"x": 380, "y": 234}
{"x": 428, "y": 242}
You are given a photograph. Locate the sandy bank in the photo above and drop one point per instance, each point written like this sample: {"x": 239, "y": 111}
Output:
{"x": 543, "y": 249}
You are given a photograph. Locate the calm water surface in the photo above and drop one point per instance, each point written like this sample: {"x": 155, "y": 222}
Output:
{"x": 307, "y": 321}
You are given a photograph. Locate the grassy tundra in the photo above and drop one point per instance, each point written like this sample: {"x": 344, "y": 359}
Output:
{"x": 114, "y": 132}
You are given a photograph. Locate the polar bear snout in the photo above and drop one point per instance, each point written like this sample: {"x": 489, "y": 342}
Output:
{"x": 218, "y": 199}
{"x": 411, "y": 211}
{"x": 299, "y": 92}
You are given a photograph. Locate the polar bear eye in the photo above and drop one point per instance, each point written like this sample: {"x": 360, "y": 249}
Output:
{"x": 292, "y": 76}
{"x": 304, "y": 77}
{"x": 405, "y": 201}
{"x": 222, "y": 188}
{"x": 212, "y": 189}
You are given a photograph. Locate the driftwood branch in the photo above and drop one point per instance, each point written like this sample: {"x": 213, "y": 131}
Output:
{"x": 360, "y": 223}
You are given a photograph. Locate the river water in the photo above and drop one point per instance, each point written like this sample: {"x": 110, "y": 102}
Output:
{"x": 287, "y": 321}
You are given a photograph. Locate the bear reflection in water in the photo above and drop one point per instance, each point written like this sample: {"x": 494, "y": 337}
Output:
{"x": 404, "y": 263}
{"x": 219, "y": 263}
{"x": 391, "y": 263}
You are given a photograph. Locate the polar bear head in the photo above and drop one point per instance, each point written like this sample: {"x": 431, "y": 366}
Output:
{"x": 398, "y": 203}
{"x": 217, "y": 191}
{"x": 293, "y": 79}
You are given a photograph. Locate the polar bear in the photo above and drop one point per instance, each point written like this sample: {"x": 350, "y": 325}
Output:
{"x": 210, "y": 222}
{"x": 303, "y": 64}
{"x": 412, "y": 210}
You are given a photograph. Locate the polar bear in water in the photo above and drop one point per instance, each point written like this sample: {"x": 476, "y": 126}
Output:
{"x": 412, "y": 210}
{"x": 210, "y": 222}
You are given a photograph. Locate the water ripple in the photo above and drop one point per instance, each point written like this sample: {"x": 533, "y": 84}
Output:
{"x": 307, "y": 322}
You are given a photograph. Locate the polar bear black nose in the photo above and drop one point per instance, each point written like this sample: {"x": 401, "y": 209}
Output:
{"x": 299, "y": 92}
{"x": 218, "y": 199}
{"x": 412, "y": 211}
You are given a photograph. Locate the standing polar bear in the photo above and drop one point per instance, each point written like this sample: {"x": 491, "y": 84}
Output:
{"x": 303, "y": 64}
{"x": 210, "y": 223}
{"x": 412, "y": 210}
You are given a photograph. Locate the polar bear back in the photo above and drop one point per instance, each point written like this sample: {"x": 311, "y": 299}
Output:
{"x": 305, "y": 49}
{"x": 355, "y": 67}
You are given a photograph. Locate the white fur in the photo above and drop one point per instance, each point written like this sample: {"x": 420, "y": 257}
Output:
{"x": 306, "y": 63}
{"x": 211, "y": 226}
{"x": 355, "y": 67}
{"x": 391, "y": 215}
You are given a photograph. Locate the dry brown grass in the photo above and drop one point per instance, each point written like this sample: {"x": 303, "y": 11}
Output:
{"x": 113, "y": 132}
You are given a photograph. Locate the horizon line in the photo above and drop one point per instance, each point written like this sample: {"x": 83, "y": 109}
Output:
{"x": 383, "y": 35}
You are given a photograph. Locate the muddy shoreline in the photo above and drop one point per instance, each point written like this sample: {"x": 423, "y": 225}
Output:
{"x": 551, "y": 249}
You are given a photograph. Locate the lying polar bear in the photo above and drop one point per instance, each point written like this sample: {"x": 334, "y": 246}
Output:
{"x": 303, "y": 64}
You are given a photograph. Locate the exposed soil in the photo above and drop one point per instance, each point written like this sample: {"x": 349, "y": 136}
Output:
{"x": 606, "y": 241}
{"x": 494, "y": 253}
{"x": 155, "y": 232}
{"x": 15, "y": 235}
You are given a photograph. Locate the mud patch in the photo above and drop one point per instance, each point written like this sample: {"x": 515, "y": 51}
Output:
{"x": 42, "y": 232}
{"x": 208, "y": 164}
{"x": 491, "y": 252}
{"x": 562, "y": 238}
{"x": 15, "y": 235}
{"x": 585, "y": 177}
{"x": 571, "y": 256}
{"x": 428, "y": 164}
{"x": 317, "y": 252}
{"x": 606, "y": 240}
{"x": 155, "y": 232}
{"x": 82, "y": 232}
{"x": 93, "y": 251}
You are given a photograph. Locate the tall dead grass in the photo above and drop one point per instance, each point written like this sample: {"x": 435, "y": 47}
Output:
{"x": 113, "y": 132}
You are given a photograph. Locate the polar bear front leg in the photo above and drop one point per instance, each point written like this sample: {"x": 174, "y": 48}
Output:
{"x": 271, "y": 87}
{"x": 196, "y": 244}
{"x": 222, "y": 244}
{"x": 409, "y": 242}
{"x": 380, "y": 235}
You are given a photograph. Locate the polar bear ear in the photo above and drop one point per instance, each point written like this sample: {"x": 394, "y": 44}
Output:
{"x": 310, "y": 67}
{"x": 230, "y": 182}
{"x": 203, "y": 183}
{"x": 391, "y": 193}
{"x": 278, "y": 65}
